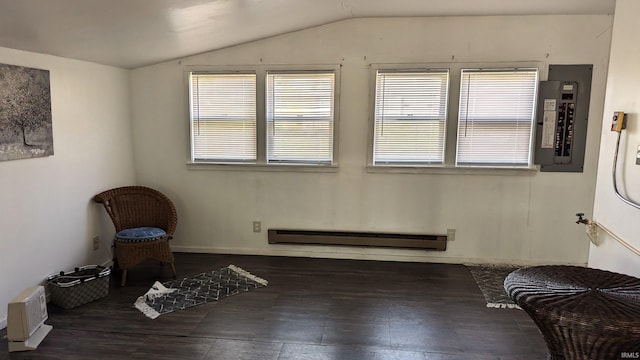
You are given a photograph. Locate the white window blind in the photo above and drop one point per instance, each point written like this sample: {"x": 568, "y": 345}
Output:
{"x": 300, "y": 117}
{"x": 496, "y": 116}
{"x": 410, "y": 116}
{"x": 223, "y": 117}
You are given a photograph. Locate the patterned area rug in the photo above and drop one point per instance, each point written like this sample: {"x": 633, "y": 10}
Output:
{"x": 490, "y": 280}
{"x": 180, "y": 294}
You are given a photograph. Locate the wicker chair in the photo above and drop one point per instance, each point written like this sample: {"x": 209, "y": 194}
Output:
{"x": 582, "y": 313}
{"x": 144, "y": 220}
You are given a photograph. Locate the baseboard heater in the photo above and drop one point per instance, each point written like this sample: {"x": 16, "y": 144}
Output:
{"x": 353, "y": 238}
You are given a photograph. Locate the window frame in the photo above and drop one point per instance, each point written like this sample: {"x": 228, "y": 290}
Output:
{"x": 530, "y": 121}
{"x": 451, "y": 125}
{"x": 261, "y": 162}
{"x": 268, "y": 120}
{"x": 191, "y": 119}
{"x": 374, "y": 88}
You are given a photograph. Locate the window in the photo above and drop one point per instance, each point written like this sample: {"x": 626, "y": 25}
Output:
{"x": 299, "y": 115}
{"x": 263, "y": 115}
{"x": 410, "y": 117}
{"x": 223, "y": 117}
{"x": 452, "y": 115}
{"x": 495, "y": 117}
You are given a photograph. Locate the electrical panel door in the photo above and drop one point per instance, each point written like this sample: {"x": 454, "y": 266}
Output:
{"x": 561, "y": 117}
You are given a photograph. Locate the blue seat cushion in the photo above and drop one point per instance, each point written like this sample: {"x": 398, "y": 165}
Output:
{"x": 140, "y": 234}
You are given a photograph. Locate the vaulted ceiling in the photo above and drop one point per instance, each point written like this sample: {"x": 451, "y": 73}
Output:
{"x": 134, "y": 33}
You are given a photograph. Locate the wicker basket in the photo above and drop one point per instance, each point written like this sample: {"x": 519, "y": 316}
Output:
{"x": 83, "y": 285}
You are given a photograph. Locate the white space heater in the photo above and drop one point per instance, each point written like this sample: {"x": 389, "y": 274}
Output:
{"x": 27, "y": 313}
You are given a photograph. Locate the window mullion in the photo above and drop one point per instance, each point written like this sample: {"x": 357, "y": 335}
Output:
{"x": 451, "y": 131}
{"x": 261, "y": 124}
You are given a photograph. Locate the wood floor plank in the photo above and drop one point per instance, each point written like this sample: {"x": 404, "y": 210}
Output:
{"x": 331, "y": 352}
{"x": 243, "y": 350}
{"x": 311, "y": 309}
{"x": 173, "y": 347}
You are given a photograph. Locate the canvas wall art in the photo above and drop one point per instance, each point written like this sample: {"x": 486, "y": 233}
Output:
{"x": 25, "y": 113}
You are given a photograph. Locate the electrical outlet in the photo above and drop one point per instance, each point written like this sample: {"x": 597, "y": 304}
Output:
{"x": 96, "y": 243}
{"x": 451, "y": 234}
{"x": 257, "y": 226}
{"x": 638, "y": 156}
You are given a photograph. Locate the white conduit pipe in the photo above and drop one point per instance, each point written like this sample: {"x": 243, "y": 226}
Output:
{"x": 610, "y": 233}
{"x": 614, "y": 171}
{"x": 593, "y": 235}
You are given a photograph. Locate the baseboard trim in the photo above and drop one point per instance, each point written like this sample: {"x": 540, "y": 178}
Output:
{"x": 336, "y": 254}
{"x": 3, "y": 323}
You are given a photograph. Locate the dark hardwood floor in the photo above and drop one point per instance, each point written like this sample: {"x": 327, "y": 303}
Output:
{"x": 311, "y": 309}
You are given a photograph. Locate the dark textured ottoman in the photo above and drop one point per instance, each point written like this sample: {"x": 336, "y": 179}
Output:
{"x": 583, "y": 313}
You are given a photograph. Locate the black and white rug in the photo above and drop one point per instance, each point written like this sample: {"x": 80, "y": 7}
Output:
{"x": 184, "y": 293}
{"x": 490, "y": 280}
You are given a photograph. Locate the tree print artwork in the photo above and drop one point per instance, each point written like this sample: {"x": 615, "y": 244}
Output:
{"x": 25, "y": 113}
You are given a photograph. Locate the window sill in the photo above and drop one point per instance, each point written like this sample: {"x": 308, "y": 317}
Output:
{"x": 261, "y": 167}
{"x": 452, "y": 170}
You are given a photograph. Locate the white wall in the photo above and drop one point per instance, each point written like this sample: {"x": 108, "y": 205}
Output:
{"x": 499, "y": 218}
{"x": 621, "y": 95}
{"x": 47, "y": 216}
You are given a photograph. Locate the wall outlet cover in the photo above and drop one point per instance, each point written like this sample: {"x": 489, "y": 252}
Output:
{"x": 451, "y": 234}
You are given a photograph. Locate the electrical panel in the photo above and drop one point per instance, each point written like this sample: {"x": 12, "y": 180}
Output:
{"x": 561, "y": 118}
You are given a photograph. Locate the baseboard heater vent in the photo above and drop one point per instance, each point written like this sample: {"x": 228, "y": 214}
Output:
{"x": 351, "y": 238}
